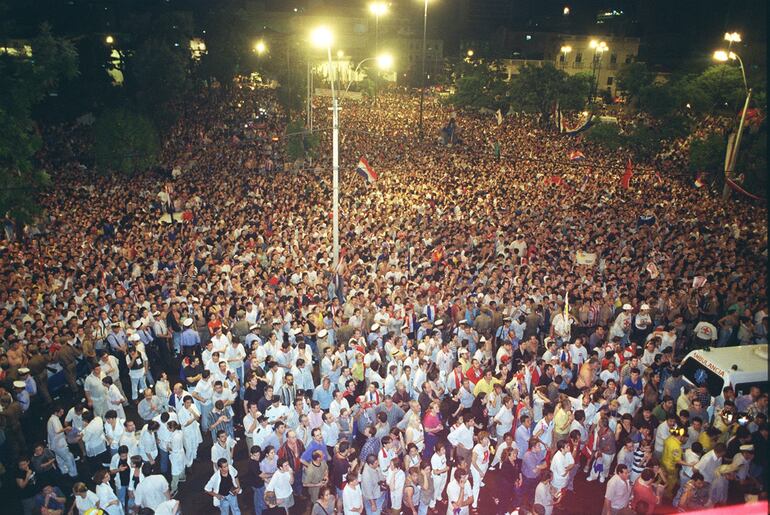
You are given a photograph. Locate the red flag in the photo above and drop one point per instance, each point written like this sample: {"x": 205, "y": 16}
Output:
{"x": 625, "y": 181}
{"x": 699, "y": 182}
{"x": 658, "y": 178}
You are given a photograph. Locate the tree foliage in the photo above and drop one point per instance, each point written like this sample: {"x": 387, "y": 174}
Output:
{"x": 707, "y": 154}
{"x": 535, "y": 89}
{"x": 157, "y": 75}
{"x": 24, "y": 83}
{"x": 606, "y": 135}
{"x": 124, "y": 141}
{"x": 300, "y": 142}
{"x": 633, "y": 78}
{"x": 479, "y": 86}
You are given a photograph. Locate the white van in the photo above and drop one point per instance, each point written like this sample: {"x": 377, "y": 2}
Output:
{"x": 740, "y": 367}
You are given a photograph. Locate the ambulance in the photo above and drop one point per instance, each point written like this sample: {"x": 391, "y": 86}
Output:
{"x": 740, "y": 367}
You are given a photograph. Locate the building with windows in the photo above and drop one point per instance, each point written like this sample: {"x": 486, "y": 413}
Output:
{"x": 600, "y": 56}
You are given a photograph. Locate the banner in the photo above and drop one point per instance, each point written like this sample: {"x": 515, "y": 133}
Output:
{"x": 585, "y": 258}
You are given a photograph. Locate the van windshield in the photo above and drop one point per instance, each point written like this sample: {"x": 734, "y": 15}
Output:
{"x": 698, "y": 374}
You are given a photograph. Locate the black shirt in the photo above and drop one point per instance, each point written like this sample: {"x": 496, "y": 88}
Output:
{"x": 124, "y": 474}
{"x": 255, "y": 470}
{"x": 225, "y": 484}
{"x": 31, "y": 489}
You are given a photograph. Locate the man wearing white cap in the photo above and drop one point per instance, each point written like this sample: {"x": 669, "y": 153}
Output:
{"x": 642, "y": 323}
{"x": 253, "y": 337}
{"x": 21, "y": 394}
{"x": 622, "y": 325}
{"x": 191, "y": 340}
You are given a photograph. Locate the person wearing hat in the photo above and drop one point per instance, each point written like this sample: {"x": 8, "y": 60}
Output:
{"x": 423, "y": 329}
{"x": 190, "y": 340}
{"x": 252, "y": 338}
{"x": 673, "y": 456}
{"x": 21, "y": 394}
{"x": 621, "y": 327}
{"x": 642, "y": 324}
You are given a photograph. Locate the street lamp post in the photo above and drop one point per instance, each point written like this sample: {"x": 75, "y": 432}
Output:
{"x": 322, "y": 37}
{"x": 721, "y": 55}
{"x": 422, "y": 75}
{"x": 599, "y": 47}
{"x": 377, "y": 9}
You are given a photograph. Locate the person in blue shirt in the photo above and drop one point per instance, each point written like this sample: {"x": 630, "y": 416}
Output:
{"x": 22, "y": 395}
{"x": 316, "y": 444}
{"x": 324, "y": 393}
{"x": 191, "y": 340}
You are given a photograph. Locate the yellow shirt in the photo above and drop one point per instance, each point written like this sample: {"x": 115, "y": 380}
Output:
{"x": 561, "y": 421}
{"x": 672, "y": 453}
{"x": 705, "y": 441}
{"x": 483, "y": 386}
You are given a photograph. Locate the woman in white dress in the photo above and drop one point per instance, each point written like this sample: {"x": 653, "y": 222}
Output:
{"x": 115, "y": 398}
{"x": 415, "y": 434}
{"x": 108, "y": 501}
{"x": 396, "y": 479}
{"x": 176, "y": 455}
{"x": 85, "y": 499}
{"x": 163, "y": 390}
{"x": 191, "y": 429}
{"x": 479, "y": 464}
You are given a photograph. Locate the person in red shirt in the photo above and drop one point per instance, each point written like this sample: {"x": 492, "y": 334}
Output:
{"x": 644, "y": 497}
{"x": 474, "y": 374}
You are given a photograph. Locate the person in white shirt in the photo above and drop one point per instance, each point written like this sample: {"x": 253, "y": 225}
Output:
{"x": 504, "y": 418}
{"x": 281, "y": 485}
{"x": 224, "y": 487}
{"x": 562, "y": 463}
{"x": 507, "y": 443}
{"x": 115, "y": 397}
{"x": 396, "y": 478}
{"x": 352, "y": 497}
{"x": 222, "y": 448}
{"x": 108, "y": 501}
{"x": 152, "y": 490}
{"x": 176, "y": 454}
{"x": 148, "y": 445}
{"x": 338, "y": 404}
{"x": 629, "y": 402}
{"x": 544, "y": 493}
{"x": 57, "y": 442}
{"x": 96, "y": 393}
{"x": 439, "y": 471}
{"x": 610, "y": 372}
{"x": 234, "y": 355}
{"x": 189, "y": 419}
{"x": 461, "y": 437}
{"x": 129, "y": 438}
{"x": 459, "y": 494}
{"x": 94, "y": 440}
{"x": 113, "y": 430}
{"x": 479, "y": 465}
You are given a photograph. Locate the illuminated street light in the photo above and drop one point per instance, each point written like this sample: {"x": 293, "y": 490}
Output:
{"x": 723, "y": 56}
{"x": 109, "y": 40}
{"x": 469, "y": 53}
{"x": 566, "y": 10}
{"x": 378, "y": 8}
{"x": 565, "y": 49}
{"x": 322, "y": 38}
{"x": 732, "y": 37}
{"x": 340, "y": 54}
{"x": 385, "y": 61}
{"x": 260, "y": 47}
{"x": 422, "y": 74}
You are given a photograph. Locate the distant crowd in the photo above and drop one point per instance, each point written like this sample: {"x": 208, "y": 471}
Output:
{"x": 483, "y": 316}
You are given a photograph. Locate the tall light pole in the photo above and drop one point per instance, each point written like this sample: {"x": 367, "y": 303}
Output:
{"x": 723, "y": 56}
{"x": 599, "y": 47}
{"x": 322, "y": 37}
{"x": 384, "y": 62}
{"x": 377, "y": 9}
{"x": 422, "y": 75}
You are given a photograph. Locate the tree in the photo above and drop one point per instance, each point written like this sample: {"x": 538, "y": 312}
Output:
{"x": 657, "y": 100}
{"x": 228, "y": 50}
{"x": 24, "y": 83}
{"x": 124, "y": 141}
{"x": 644, "y": 141}
{"x": 606, "y": 135}
{"x": 479, "y": 87}
{"x": 157, "y": 75}
{"x": 633, "y": 78}
{"x": 300, "y": 142}
{"x": 536, "y": 88}
{"x": 707, "y": 154}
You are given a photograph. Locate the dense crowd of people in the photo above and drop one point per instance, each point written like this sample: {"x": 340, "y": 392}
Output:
{"x": 483, "y": 316}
